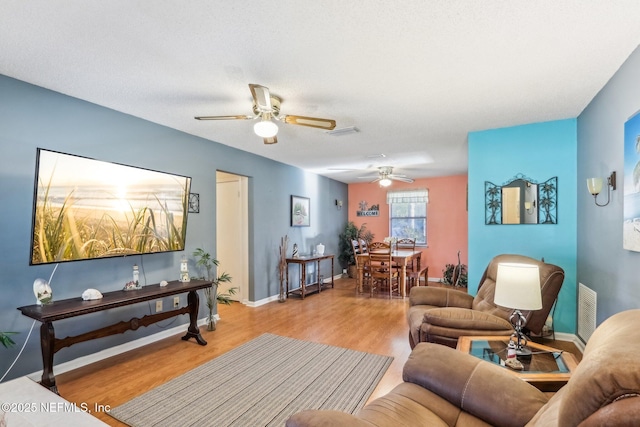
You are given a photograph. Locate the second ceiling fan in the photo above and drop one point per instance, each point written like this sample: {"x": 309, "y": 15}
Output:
{"x": 267, "y": 107}
{"x": 386, "y": 176}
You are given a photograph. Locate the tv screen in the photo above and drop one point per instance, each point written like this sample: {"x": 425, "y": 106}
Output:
{"x": 85, "y": 208}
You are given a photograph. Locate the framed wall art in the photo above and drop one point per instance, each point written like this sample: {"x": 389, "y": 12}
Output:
{"x": 631, "y": 201}
{"x": 300, "y": 212}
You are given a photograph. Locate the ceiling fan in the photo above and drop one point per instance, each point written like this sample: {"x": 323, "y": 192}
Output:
{"x": 386, "y": 176}
{"x": 266, "y": 107}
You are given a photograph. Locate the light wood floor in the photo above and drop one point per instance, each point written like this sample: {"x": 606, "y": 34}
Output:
{"x": 337, "y": 317}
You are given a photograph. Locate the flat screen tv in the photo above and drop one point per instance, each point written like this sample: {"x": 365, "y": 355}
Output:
{"x": 85, "y": 209}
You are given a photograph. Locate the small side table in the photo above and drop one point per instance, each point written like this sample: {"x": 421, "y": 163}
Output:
{"x": 302, "y": 261}
{"x": 548, "y": 369}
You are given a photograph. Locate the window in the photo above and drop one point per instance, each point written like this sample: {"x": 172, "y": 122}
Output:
{"x": 408, "y": 214}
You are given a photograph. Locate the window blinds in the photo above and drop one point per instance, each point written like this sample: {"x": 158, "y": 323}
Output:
{"x": 420, "y": 195}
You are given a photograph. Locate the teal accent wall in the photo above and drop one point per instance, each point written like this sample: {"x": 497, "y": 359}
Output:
{"x": 539, "y": 151}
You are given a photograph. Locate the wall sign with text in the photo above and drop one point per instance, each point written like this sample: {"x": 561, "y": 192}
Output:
{"x": 365, "y": 210}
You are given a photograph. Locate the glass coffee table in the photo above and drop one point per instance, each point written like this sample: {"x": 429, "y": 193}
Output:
{"x": 547, "y": 369}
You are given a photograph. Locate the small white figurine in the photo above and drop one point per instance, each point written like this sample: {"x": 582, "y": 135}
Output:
{"x": 163, "y": 283}
{"x": 42, "y": 291}
{"x": 90, "y": 294}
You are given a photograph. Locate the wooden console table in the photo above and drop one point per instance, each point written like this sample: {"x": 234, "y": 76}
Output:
{"x": 305, "y": 288}
{"x": 73, "y": 307}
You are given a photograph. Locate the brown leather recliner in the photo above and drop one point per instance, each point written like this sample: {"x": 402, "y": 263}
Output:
{"x": 445, "y": 387}
{"x": 441, "y": 315}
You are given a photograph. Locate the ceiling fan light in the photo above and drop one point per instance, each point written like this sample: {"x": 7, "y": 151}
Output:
{"x": 265, "y": 129}
{"x": 385, "y": 182}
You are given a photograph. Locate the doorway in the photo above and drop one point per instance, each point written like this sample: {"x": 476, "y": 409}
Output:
{"x": 232, "y": 231}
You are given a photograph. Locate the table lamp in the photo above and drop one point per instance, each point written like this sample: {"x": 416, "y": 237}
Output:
{"x": 518, "y": 288}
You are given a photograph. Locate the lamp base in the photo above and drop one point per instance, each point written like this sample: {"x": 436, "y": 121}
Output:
{"x": 518, "y": 337}
{"x": 523, "y": 352}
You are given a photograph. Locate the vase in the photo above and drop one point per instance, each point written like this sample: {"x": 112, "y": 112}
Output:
{"x": 211, "y": 325}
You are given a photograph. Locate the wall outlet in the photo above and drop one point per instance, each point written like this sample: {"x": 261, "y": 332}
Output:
{"x": 158, "y": 306}
{"x": 176, "y": 302}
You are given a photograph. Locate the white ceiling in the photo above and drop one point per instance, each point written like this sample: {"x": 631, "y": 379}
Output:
{"x": 413, "y": 76}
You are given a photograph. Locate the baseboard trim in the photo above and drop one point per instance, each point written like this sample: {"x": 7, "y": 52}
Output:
{"x": 276, "y": 297}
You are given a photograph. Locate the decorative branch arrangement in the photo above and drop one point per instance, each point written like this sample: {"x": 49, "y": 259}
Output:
{"x": 282, "y": 265}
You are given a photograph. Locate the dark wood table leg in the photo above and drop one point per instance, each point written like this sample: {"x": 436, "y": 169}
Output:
{"x": 331, "y": 272}
{"x": 193, "y": 332}
{"x": 47, "y": 345}
{"x": 303, "y": 278}
{"x": 318, "y": 276}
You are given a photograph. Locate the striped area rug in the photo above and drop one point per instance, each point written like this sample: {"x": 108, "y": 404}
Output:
{"x": 260, "y": 383}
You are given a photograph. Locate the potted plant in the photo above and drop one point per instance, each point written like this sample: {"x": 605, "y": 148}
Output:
{"x": 5, "y": 339}
{"x": 351, "y": 232}
{"x": 204, "y": 259}
{"x": 455, "y": 275}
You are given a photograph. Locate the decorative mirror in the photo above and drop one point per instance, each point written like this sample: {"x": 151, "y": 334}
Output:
{"x": 521, "y": 200}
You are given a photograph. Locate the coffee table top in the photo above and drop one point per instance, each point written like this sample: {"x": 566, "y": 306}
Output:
{"x": 548, "y": 368}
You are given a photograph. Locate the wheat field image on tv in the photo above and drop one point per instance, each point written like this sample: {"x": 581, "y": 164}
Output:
{"x": 86, "y": 208}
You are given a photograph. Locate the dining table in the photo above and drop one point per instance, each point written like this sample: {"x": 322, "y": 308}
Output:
{"x": 401, "y": 257}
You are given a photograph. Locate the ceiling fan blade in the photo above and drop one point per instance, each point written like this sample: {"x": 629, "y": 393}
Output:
{"x": 396, "y": 178}
{"x": 376, "y": 180}
{"x": 240, "y": 117}
{"x": 313, "y": 122}
{"x": 261, "y": 97}
{"x": 397, "y": 175}
{"x": 272, "y": 140}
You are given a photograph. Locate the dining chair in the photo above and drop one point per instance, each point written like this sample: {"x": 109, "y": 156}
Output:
{"x": 382, "y": 272}
{"x": 362, "y": 264}
{"x": 364, "y": 248}
{"x": 407, "y": 244}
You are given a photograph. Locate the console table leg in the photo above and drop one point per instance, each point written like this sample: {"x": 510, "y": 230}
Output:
{"x": 47, "y": 345}
{"x": 193, "y": 332}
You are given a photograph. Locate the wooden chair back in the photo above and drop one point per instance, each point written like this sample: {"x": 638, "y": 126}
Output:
{"x": 381, "y": 269}
{"x": 379, "y": 247}
{"x": 406, "y": 243}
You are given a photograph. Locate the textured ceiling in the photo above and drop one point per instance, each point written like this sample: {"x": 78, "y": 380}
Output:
{"x": 413, "y": 76}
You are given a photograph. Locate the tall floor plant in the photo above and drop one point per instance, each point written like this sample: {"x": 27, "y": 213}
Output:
{"x": 204, "y": 259}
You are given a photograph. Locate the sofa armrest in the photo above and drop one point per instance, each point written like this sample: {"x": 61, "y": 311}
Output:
{"x": 315, "y": 418}
{"x": 439, "y": 297}
{"x": 487, "y": 391}
{"x": 468, "y": 320}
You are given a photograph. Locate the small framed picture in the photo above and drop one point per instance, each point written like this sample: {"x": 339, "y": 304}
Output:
{"x": 194, "y": 203}
{"x": 300, "y": 212}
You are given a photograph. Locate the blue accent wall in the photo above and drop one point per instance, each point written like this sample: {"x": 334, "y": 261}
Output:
{"x": 538, "y": 151}
{"x": 603, "y": 265}
{"x": 32, "y": 117}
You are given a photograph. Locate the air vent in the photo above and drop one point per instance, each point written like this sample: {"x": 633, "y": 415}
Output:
{"x": 587, "y": 299}
{"x": 343, "y": 131}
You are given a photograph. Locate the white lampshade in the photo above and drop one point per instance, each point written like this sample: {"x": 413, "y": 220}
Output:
{"x": 265, "y": 129}
{"x": 385, "y": 182}
{"x": 594, "y": 185}
{"x": 518, "y": 286}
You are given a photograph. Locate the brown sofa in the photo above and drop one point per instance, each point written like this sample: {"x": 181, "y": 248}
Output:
{"x": 441, "y": 315}
{"x": 445, "y": 387}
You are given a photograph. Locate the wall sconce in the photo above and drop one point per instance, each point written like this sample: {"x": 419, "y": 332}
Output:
{"x": 595, "y": 187}
{"x": 530, "y": 207}
{"x": 338, "y": 204}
